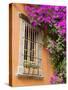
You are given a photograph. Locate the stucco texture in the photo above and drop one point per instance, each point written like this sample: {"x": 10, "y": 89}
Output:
{"x": 46, "y": 64}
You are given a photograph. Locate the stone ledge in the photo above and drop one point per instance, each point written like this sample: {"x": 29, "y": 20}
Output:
{"x": 30, "y": 76}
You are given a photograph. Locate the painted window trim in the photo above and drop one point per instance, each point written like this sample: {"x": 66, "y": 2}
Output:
{"x": 20, "y": 71}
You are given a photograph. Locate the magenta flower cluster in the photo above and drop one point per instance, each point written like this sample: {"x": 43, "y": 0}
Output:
{"x": 47, "y": 14}
{"x": 55, "y": 79}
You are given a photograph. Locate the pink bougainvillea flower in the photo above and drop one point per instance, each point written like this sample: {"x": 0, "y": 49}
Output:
{"x": 46, "y": 14}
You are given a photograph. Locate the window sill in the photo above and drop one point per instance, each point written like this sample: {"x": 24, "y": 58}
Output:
{"x": 32, "y": 76}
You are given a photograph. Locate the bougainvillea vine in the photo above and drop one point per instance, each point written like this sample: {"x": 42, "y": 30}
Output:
{"x": 53, "y": 20}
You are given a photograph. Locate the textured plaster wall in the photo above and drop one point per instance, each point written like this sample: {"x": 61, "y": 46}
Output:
{"x": 47, "y": 67}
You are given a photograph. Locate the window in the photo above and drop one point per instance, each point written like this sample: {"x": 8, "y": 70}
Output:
{"x": 30, "y": 51}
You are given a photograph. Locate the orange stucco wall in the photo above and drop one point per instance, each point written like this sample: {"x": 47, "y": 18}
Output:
{"x": 47, "y": 67}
